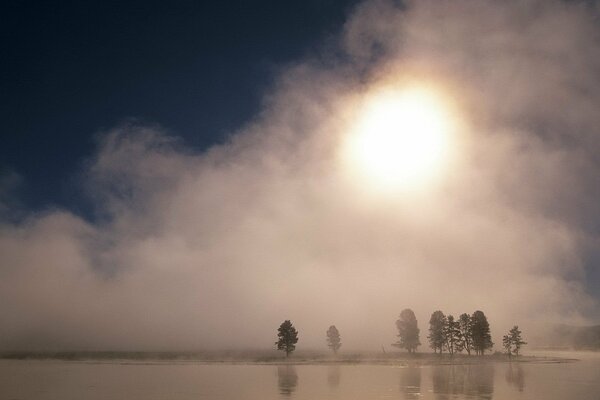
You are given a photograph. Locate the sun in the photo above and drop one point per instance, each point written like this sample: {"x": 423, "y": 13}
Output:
{"x": 401, "y": 137}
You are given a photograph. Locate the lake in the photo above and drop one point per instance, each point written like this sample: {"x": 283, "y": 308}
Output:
{"x": 65, "y": 380}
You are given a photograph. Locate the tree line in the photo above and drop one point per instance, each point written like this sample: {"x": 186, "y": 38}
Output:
{"x": 469, "y": 333}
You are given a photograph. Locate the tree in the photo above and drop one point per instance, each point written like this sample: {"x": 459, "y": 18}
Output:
{"x": 288, "y": 337}
{"x": 507, "y": 344}
{"x": 465, "y": 327}
{"x": 333, "y": 339}
{"x": 516, "y": 339}
{"x": 436, "y": 331}
{"x": 480, "y": 333}
{"x": 408, "y": 331}
{"x": 452, "y": 335}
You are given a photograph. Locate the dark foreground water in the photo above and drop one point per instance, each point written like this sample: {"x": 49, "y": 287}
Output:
{"x": 62, "y": 380}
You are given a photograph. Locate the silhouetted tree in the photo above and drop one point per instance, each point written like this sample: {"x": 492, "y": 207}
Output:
{"x": 507, "y": 344}
{"x": 408, "y": 331}
{"x": 452, "y": 335}
{"x": 288, "y": 337}
{"x": 465, "y": 327}
{"x": 480, "y": 333}
{"x": 436, "y": 331}
{"x": 333, "y": 339}
{"x": 516, "y": 339}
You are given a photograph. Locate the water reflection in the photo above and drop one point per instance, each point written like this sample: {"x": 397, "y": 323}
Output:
{"x": 287, "y": 379}
{"x": 473, "y": 381}
{"x": 410, "y": 383}
{"x": 333, "y": 375}
{"x": 515, "y": 376}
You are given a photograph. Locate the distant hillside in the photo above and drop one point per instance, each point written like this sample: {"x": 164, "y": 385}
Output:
{"x": 571, "y": 337}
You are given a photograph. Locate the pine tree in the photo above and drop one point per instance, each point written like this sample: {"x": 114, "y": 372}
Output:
{"x": 333, "y": 339}
{"x": 507, "y": 344}
{"x": 465, "y": 327}
{"x": 480, "y": 332}
{"x": 452, "y": 335}
{"x": 436, "y": 331}
{"x": 288, "y": 337}
{"x": 408, "y": 331}
{"x": 516, "y": 339}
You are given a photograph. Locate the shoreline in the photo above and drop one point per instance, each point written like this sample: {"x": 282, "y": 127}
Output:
{"x": 395, "y": 360}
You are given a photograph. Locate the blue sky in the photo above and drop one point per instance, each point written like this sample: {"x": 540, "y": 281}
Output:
{"x": 73, "y": 69}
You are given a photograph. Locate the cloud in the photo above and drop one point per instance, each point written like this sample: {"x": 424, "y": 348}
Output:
{"x": 214, "y": 250}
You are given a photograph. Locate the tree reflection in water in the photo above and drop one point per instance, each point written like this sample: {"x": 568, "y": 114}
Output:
{"x": 515, "y": 376}
{"x": 472, "y": 381}
{"x": 288, "y": 379}
{"x": 410, "y": 382}
{"x": 333, "y": 375}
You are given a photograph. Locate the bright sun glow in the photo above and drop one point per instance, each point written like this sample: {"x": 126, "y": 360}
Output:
{"x": 401, "y": 138}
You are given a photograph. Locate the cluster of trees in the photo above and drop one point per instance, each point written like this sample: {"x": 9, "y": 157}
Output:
{"x": 470, "y": 333}
{"x": 513, "y": 341}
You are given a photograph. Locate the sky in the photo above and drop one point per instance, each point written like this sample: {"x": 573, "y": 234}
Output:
{"x": 172, "y": 172}
{"x": 196, "y": 68}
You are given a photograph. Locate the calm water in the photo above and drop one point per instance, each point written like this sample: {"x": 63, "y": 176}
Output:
{"x": 59, "y": 380}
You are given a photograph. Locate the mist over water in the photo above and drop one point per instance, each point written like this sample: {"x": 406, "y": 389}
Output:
{"x": 215, "y": 249}
{"x": 501, "y": 381}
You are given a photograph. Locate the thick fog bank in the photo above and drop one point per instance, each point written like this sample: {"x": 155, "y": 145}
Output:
{"x": 215, "y": 250}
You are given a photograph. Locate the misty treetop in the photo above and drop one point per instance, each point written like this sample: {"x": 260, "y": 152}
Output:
{"x": 288, "y": 337}
{"x": 333, "y": 339}
{"x": 408, "y": 331}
